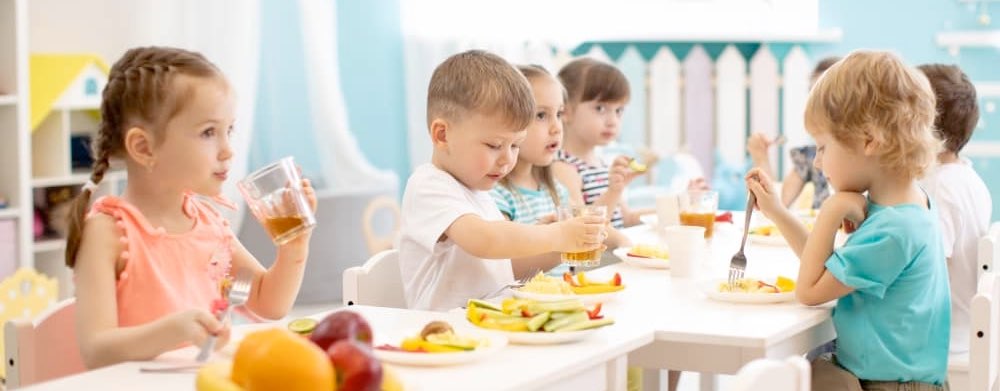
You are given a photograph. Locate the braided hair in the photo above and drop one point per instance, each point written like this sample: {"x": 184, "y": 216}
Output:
{"x": 140, "y": 93}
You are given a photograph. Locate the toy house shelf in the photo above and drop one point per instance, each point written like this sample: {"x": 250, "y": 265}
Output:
{"x": 956, "y": 40}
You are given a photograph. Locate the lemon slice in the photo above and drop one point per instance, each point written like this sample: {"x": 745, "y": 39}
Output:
{"x": 785, "y": 284}
{"x": 302, "y": 325}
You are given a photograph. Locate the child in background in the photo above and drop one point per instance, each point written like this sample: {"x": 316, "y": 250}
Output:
{"x": 529, "y": 194}
{"x": 597, "y": 95}
{"x": 802, "y": 171}
{"x": 455, "y": 244}
{"x": 148, "y": 265}
{"x": 962, "y": 199}
{"x": 872, "y": 117}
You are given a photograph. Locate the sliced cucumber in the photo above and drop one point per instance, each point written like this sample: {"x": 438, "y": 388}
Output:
{"x": 586, "y": 324}
{"x": 537, "y": 321}
{"x": 559, "y": 323}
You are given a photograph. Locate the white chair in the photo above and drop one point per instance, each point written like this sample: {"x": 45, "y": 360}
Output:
{"x": 376, "y": 283}
{"x": 374, "y": 241}
{"x": 989, "y": 248}
{"x": 42, "y": 349}
{"x": 791, "y": 374}
{"x": 988, "y": 254}
{"x": 984, "y": 342}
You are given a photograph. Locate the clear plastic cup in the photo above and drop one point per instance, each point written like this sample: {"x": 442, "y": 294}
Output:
{"x": 274, "y": 195}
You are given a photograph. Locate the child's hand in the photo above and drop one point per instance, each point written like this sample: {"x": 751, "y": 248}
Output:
{"x": 302, "y": 240}
{"x": 195, "y": 326}
{"x": 619, "y": 174}
{"x": 582, "y": 233}
{"x": 848, "y": 206}
{"x": 768, "y": 197}
{"x": 757, "y": 145}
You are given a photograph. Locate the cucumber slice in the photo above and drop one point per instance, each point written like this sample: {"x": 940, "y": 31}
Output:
{"x": 537, "y": 321}
{"x": 559, "y": 323}
{"x": 586, "y": 324}
{"x": 483, "y": 304}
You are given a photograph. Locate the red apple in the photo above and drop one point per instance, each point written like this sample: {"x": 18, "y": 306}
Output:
{"x": 356, "y": 366}
{"x": 341, "y": 325}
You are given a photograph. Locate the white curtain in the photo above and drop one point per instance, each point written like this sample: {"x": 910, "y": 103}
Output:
{"x": 343, "y": 164}
{"x": 227, "y": 32}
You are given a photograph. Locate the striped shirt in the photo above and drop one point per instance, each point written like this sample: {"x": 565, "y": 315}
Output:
{"x": 595, "y": 183}
{"x": 527, "y": 205}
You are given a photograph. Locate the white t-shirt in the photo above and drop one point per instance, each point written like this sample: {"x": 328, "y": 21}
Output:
{"x": 439, "y": 275}
{"x": 964, "y": 208}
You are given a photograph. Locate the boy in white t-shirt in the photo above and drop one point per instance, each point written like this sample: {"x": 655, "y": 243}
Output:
{"x": 962, "y": 199}
{"x": 454, "y": 243}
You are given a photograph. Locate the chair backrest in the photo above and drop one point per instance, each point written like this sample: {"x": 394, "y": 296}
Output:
{"x": 376, "y": 283}
{"x": 25, "y": 295}
{"x": 791, "y": 374}
{"x": 989, "y": 249}
{"x": 44, "y": 348}
{"x": 984, "y": 342}
{"x": 375, "y": 242}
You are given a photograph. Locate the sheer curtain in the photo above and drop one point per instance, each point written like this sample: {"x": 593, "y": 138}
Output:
{"x": 227, "y": 32}
{"x": 344, "y": 166}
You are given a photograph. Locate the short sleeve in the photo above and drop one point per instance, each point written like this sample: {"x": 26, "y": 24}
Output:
{"x": 431, "y": 204}
{"x": 504, "y": 200}
{"x": 947, "y": 213}
{"x": 870, "y": 262}
{"x": 802, "y": 161}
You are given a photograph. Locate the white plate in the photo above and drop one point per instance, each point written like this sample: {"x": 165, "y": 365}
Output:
{"x": 651, "y": 263}
{"x": 649, "y": 219}
{"x": 711, "y": 289}
{"x": 586, "y": 299}
{"x": 768, "y": 240}
{"x": 497, "y": 342}
{"x": 545, "y": 338}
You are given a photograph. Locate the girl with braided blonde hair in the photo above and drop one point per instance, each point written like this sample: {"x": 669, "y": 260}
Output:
{"x": 148, "y": 265}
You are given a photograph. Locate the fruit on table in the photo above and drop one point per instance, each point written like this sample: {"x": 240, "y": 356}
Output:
{"x": 277, "y": 359}
{"x": 785, "y": 284}
{"x": 215, "y": 377}
{"x": 437, "y": 337}
{"x": 648, "y": 251}
{"x": 341, "y": 325}
{"x": 302, "y": 326}
{"x": 583, "y": 286}
{"x": 523, "y": 315}
{"x": 356, "y": 366}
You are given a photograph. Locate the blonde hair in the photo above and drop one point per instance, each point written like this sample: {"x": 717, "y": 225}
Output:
{"x": 482, "y": 82}
{"x": 543, "y": 173}
{"x": 140, "y": 92}
{"x": 872, "y": 95}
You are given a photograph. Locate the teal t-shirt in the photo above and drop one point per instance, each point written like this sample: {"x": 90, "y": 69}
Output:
{"x": 527, "y": 205}
{"x": 895, "y": 325}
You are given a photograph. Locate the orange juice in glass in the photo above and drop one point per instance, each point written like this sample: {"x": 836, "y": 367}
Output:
{"x": 698, "y": 208}
{"x": 584, "y": 258}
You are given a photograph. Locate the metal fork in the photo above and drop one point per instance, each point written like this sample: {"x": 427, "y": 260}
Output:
{"x": 739, "y": 262}
{"x": 514, "y": 285}
{"x": 238, "y": 295}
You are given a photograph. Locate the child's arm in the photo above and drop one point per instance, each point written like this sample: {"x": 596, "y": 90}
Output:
{"x": 529, "y": 266}
{"x": 273, "y": 291}
{"x": 816, "y": 285}
{"x": 101, "y": 341}
{"x": 505, "y": 239}
{"x": 758, "y": 146}
{"x": 791, "y": 188}
{"x": 794, "y": 232}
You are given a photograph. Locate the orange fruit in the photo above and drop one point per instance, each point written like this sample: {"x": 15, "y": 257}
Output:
{"x": 785, "y": 284}
{"x": 278, "y": 359}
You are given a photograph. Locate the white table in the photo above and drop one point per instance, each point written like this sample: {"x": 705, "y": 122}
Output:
{"x": 596, "y": 363}
{"x": 694, "y": 333}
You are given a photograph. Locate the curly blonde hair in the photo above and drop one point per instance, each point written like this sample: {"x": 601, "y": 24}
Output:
{"x": 873, "y": 96}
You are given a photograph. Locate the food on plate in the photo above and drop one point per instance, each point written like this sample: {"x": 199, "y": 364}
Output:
{"x": 302, "y": 326}
{"x": 753, "y": 285}
{"x": 341, "y": 325}
{"x": 648, "y": 251}
{"x": 581, "y": 285}
{"x": 524, "y": 315}
{"x": 772, "y": 230}
{"x": 438, "y": 337}
{"x": 541, "y": 283}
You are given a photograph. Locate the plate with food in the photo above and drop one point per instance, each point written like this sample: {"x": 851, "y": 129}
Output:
{"x": 646, "y": 256}
{"x": 437, "y": 344}
{"x": 533, "y": 322}
{"x": 546, "y": 288}
{"x": 767, "y": 235}
{"x": 751, "y": 290}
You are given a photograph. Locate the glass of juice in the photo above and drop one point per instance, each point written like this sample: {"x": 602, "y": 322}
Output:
{"x": 585, "y": 258}
{"x": 698, "y": 208}
{"x": 274, "y": 195}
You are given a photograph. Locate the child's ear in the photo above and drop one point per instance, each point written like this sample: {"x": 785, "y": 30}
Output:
{"x": 871, "y": 145}
{"x": 439, "y": 132}
{"x": 139, "y": 146}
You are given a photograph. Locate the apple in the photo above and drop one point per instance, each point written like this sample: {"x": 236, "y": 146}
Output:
{"x": 356, "y": 366}
{"x": 341, "y": 325}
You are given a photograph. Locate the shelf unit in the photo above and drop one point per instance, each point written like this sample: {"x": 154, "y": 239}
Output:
{"x": 15, "y": 158}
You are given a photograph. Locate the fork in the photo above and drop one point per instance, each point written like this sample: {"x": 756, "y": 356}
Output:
{"x": 516, "y": 284}
{"x": 238, "y": 295}
{"x": 739, "y": 262}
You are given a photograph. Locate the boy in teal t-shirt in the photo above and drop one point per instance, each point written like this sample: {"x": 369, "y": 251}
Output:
{"x": 872, "y": 117}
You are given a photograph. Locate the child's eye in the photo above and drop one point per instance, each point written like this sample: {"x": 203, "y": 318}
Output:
{"x": 560, "y": 113}
{"x": 492, "y": 146}
{"x": 619, "y": 111}
{"x": 515, "y": 146}
{"x": 599, "y": 108}
{"x": 208, "y": 133}
{"x": 230, "y": 131}
{"x": 541, "y": 115}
